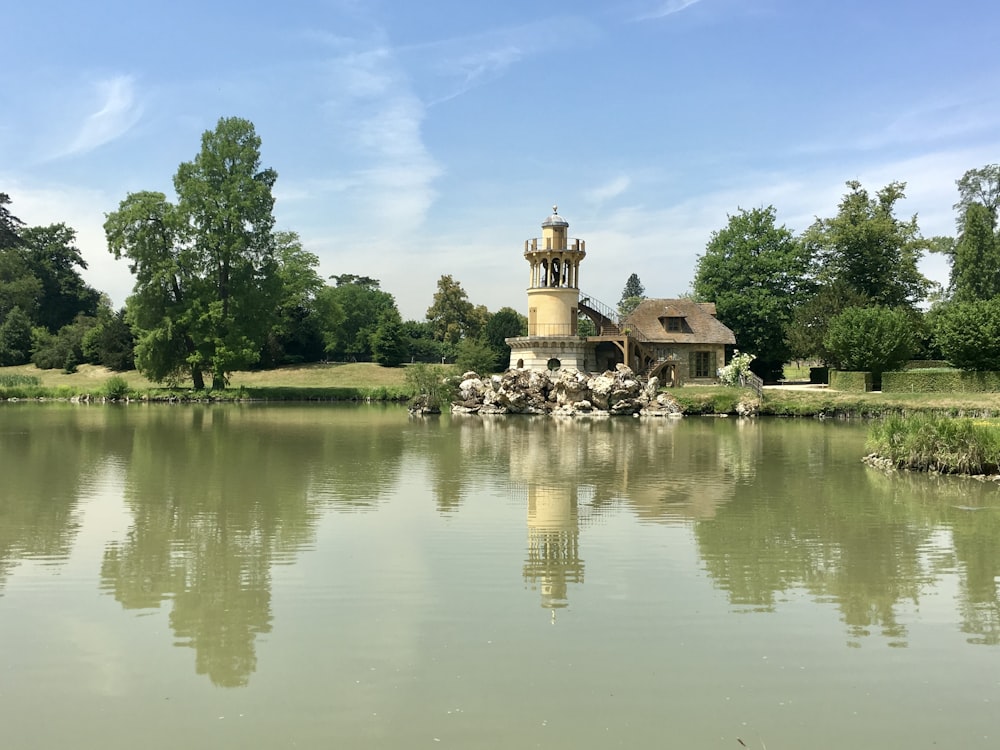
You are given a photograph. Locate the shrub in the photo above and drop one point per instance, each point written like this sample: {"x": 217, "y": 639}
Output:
{"x": 929, "y": 443}
{"x": 430, "y": 384}
{"x": 116, "y": 388}
{"x": 872, "y": 339}
{"x": 736, "y": 372}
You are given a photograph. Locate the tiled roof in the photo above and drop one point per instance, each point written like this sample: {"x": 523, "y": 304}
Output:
{"x": 700, "y": 324}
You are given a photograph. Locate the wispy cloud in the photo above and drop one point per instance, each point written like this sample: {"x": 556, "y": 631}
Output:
{"x": 609, "y": 190}
{"x": 371, "y": 103}
{"x": 116, "y": 112}
{"x": 668, "y": 8}
{"x": 448, "y": 68}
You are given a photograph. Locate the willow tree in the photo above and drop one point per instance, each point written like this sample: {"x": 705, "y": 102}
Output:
{"x": 207, "y": 285}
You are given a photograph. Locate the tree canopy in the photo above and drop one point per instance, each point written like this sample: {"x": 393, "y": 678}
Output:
{"x": 869, "y": 250}
{"x": 978, "y": 186}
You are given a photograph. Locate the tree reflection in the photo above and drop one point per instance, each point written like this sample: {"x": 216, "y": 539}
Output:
{"x": 48, "y": 456}
{"x": 218, "y": 496}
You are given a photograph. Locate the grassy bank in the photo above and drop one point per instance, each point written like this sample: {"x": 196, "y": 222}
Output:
{"x": 784, "y": 401}
{"x": 316, "y": 382}
{"x": 929, "y": 443}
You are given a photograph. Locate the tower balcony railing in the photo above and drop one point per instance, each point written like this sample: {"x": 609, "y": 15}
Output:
{"x": 552, "y": 329}
{"x": 544, "y": 244}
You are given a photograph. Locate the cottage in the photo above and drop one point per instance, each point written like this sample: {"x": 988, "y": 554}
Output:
{"x": 684, "y": 339}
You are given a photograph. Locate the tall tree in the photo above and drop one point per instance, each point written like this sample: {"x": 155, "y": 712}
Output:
{"x": 975, "y": 269}
{"x": 225, "y": 197}
{"x": 451, "y": 314}
{"x": 756, "y": 273}
{"x": 207, "y": 263}
{"x": 633, "y": 293}
{"x": 10, "y": 225}
{"x": 869, "y": 250}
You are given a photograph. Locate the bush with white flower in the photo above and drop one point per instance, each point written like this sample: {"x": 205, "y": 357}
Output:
{"x": 738, "y": 369}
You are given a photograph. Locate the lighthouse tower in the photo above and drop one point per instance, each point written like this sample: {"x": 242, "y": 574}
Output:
{"x": 553, "y": 301}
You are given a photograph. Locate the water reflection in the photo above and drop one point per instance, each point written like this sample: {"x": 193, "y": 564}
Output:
{"x": 217, "y": 496}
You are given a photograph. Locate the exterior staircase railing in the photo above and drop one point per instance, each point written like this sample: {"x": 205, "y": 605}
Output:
{"x": 606, "y": 319}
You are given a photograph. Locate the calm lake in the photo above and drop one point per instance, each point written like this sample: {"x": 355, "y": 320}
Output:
{"x": 349, "y": 576}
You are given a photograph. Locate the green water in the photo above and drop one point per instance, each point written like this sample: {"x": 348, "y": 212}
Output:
{"x": 330, "y": 576}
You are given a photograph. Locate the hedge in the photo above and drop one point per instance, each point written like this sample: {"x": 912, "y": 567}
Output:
{"x": 842, "y": 380}
{"x": 940, "y": 380}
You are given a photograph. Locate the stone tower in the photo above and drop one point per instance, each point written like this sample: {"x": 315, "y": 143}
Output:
{"x": 553, "y": 301}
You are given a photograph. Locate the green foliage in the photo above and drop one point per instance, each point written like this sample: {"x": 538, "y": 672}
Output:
{"x": 477, "y": 356}
{"x": 503, "y": 324}
{"x": 585, "y": 327}
{"x": 633, "y": 288}
{"x": 63, "y": 349}
{"x": 150, "y": 232}
{"x": 869, "y": 250}
{"x": 354, "y": 308}
{"x": 10, "y": 225}
{"x": 15, "y": 338}
{"x": 294, "y": 336}
{"x": 944, "y": 444}
{"x": 756, "y": 273}
{"x": 968, "y": 333}
{"x": 811, "y": 319}
{"x": 53, "y": 258}
{"x": 420, "y": 342}
{"x": 388, "y": 341}
{"x": 452, "y": 316}
{"x": 975, "y": 270}
{"x": 110, "y": 342}
{"x": 873, "y": 339}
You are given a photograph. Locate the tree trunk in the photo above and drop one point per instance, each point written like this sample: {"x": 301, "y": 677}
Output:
{"x": 198, "y": 378}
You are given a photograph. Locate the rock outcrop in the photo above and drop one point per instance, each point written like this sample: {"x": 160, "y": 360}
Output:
{"x": 564, "y": 392}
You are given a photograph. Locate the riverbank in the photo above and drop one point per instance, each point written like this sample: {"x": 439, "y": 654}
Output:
{"x": 364, "y": 381}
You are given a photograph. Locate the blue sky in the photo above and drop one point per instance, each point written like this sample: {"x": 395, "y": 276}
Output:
{"x": 413, "y": 140}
